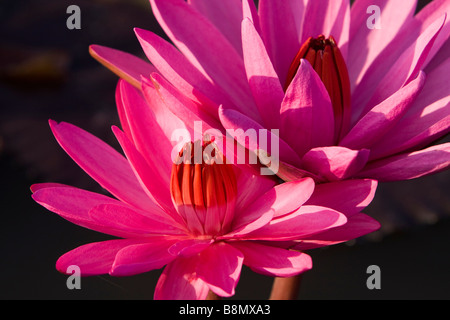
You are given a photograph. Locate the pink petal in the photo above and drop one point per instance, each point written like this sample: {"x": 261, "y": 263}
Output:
{"x": 307, "y": 118}
{"x": 190, "y": 247}
{"x": 93, "y": 258}
{"x": 287, "y": 172}
{"x": 303, "y": 222}
{"x": 280, "y": 25}
{"x": 249, "y": 11}
{"x": 125, "y": 65}
{"x": 348, "y": 197}
{"x": 335, "y": 163}
{"x": 123, "y": 218}
{"x": 76, "y": 205}
{"x": 386, "y": 75}
{"x": 145, "y": 130}
{"x": 358, "y": 225}
{"x": 271, "y": 261}
{"x": 427, "y": 119}
{"x": 362, "y": 51}
{"x": 147, "y": 176}
{"x": 374, "y": 125}
{"x": 264, "y": 83}
{"x": 219, "y": 267}
{"x": 328, "y": 18}
{"x": 242, "y": 128}
{"x": 179, "y": 281}
{"x": 225, "y": 15}
{"x": 206, "y": 48}
{"x": 102, "y": 162}
{"x": 409, "y": 165}
{"x": 177, "y": 69}
{"x": 143, "y": 257}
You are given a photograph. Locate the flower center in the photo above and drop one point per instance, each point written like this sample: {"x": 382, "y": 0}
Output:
{"x": 203, "y": 189}
{"x": 325, "y": 57}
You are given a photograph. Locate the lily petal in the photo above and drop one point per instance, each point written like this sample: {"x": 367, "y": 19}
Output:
{"x": 409, "y": 165}
{"x": 271, "y": 261}
{"x": 335, "y": 163}
{"x": 224, "y": 260}
{"x": 123, "y": 64}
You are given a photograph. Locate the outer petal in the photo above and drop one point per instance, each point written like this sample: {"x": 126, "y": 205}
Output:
{"x": 383, "y": 117}
{"x": 427, "y": 119}
{"x": 273, "y": 261}
{"x": 177, "y": 69}
{"x": 179, "y": 281}
{"x": 394, "y": 67}
{"x": 206, "y": 48}
{"x": 280, "y": 25}
{"x": 219, "y": 267}
{"x": 335, "y": 163}
{"x": 348, "y": 196}
{"x": 145, "y": 130}
{"x": 264, "y": 83}
{"x": 409, "y": 165}
{"x": 307, "y": 118}
{"x": 225, "y": 15}
{"x": 125, "y": 65}
{"x": 102, "y": 162}
{"x": 305, "y": 221}
{"x": 93, "y": 258}
{"x": 74, "y": 204}
{"x": 362, "y": 51}
{"x": 356, "y": 226}
{"x": 143, "y": 257}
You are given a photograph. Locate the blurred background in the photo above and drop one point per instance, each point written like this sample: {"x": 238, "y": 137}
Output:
{"x": 46, "y": 72}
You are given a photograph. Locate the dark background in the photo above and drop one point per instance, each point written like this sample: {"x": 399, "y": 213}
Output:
{"x": 47, "y": 72}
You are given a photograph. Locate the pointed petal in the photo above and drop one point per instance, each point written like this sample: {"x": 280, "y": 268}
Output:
{"x": 427, "y": 119}
{"x": 271, "y": 261}
{"x": 280, "y": 25}
{"x": 356, "y": 226}
{"x": 385, "y": 76}
{"x": 102, "y": 162}
{"x": 409, "y": 165}
{"x": 220, "y": 267}
{"x": 307, "y": 118}
{"x": 145, "y": 130}
{"x": 143, "y": 257}
{"x": 348, "y": 197}
{"x": 177, "y": 69}
{"x": 303, "y": 222}
{"x": 206, "y": 48}
{"x": 123, "y": 218}
{"x": 264, "y": 83}
{"x": 180, "y": 282}
{"x": 94, "y": 258}
{"x": 362, "y": 51}
{"x": 335, "y": 163}
{"x": 225, "y": 15}
{"x": 383, "y": 117}
{"x": 123, "y": 64}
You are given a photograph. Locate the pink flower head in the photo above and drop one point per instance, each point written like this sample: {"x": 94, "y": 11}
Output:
{"x": 351, "y": 98}
{"x": 201, "y": 221}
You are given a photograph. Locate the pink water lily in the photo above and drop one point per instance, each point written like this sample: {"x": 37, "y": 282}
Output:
{"x": 350, "y": 101}
{"x": 200, "y": 221}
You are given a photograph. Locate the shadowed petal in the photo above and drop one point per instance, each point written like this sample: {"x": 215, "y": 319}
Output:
{"x": 125, "y": 65}
{"x": 180, "y": 282}
{"x": 271, "y": 261}
{"x": 220, "y": 267}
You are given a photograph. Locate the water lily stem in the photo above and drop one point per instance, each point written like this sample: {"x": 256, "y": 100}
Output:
{"x": 285, "y": 288}
{"x": 212, "y": 296}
